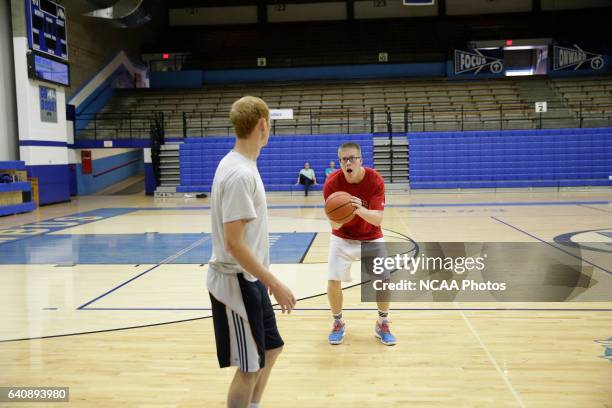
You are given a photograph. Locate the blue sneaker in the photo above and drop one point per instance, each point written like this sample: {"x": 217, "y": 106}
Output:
{"x": 384, "y": 334}
{"x": 337, "y": 334}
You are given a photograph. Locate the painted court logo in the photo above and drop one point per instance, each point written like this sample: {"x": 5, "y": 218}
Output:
{"x": 607, "y": 344}
{"x": 599, "y": 240}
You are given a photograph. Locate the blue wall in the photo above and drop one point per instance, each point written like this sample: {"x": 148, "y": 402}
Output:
{"x": 108, "y": 171}
{"x": 279, "y": 162}
{"x": 176, "y": 79}
{"x": 195, "y": 79}
{"x": 150, "y": 182}
{"x": 512, "y": 158}
{"x": 117, "y": 143}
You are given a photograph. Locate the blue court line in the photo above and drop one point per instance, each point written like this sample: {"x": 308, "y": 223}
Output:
{"x": 462, "y": 308}
{"x": 314, "y": 236}
{"x": 367, "y": 309}
{"x": 491, "y": 204}
{"x": 594, "y": 208}
{"x": 148, "y": 308}
{"x": 501, "y": 204}
{"x": 82, "y": 307}
{"x": 179, "y": 253}
{"x": 554, "y": 246}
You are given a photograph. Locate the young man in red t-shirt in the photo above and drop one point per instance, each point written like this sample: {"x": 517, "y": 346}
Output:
{"x": 367, "y": 189}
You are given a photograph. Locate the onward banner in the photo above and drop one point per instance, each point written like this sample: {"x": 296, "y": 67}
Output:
{"x": 575, "y": 58}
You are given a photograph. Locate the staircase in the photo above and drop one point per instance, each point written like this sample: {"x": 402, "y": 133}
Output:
{"x": 391, "y": 160}
{"x": 169, "y": 170}
{"x": 540, "y": 90}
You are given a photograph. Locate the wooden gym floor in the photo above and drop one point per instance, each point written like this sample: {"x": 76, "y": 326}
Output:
{"x": 106, "y": 295}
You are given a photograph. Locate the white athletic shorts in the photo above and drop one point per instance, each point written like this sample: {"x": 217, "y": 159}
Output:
{"x": 342, "y": 253}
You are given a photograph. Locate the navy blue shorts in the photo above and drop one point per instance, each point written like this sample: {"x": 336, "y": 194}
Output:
{"x": 241, "y": 342}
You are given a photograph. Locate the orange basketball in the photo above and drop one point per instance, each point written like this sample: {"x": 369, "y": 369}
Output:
{"x": 338, "y": 207}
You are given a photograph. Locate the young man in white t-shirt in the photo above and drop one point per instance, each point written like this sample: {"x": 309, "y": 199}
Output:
{"x": 238, "y": 276}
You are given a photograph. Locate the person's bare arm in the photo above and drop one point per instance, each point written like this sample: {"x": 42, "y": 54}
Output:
{"x": 237, "y": 247}
{"x": 374, "y": 217}
{"x": 334, "y": 225}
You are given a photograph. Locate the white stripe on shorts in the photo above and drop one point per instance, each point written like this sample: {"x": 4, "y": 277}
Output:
{"x": 243, "y": 349}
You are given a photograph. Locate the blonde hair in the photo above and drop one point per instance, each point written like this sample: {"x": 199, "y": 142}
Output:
{"x": 245, "y": 114}
{"x": 349, "y": 145}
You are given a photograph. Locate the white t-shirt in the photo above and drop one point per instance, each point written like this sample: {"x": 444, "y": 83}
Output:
{"x": 237, "y": 194}
{"x": 308, "y": 173}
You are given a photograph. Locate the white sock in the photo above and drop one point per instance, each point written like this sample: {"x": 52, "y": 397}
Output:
{"x": 383, "y": 315}
{"x": 254, "y": 405}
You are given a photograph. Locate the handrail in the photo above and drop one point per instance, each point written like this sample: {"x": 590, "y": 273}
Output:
{"x": 350, "y": 119}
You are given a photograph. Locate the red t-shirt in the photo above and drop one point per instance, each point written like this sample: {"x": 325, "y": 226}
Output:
{"x": 371, "y": 190}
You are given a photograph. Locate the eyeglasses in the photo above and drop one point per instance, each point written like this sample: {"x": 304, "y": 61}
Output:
{"x": 352, "y": 159}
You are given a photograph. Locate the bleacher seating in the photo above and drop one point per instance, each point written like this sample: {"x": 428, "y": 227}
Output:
{"x": 279, "y": 163}
{"x": 512, "y": 158}
{"x": 346, "y": 106}
{"x": 589, "y": 97}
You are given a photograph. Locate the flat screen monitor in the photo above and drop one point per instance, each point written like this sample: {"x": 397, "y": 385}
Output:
{"x": 44, "y": 68}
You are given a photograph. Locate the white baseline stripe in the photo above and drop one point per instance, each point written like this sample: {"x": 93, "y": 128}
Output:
{"x": 516, "y": 395}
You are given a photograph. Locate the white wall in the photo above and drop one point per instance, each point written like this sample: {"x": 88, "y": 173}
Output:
{"x": 8, "y": 112}
{"x": 28, "y": 107}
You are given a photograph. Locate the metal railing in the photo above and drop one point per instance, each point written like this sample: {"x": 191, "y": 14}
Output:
{"x": 352, "y": 119}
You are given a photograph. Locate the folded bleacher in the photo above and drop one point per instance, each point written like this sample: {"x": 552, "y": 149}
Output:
{"x": 279, "y": 164}
{"x": 512, "y": 158}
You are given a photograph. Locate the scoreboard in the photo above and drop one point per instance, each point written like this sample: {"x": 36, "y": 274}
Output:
{"x": 46, "y": 24}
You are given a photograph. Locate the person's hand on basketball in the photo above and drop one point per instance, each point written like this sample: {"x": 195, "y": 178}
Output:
{"x": 357, "y": 203}
{"x": 283, "y": 295}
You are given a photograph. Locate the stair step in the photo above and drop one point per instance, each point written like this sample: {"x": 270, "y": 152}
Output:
{"x": 166, "y": 189}
{"x": 170, "y": 147}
